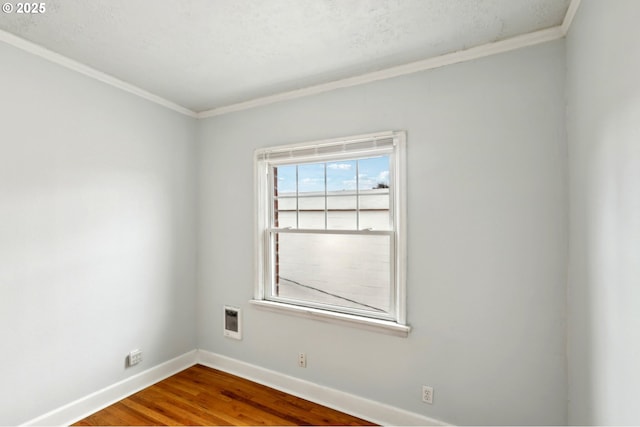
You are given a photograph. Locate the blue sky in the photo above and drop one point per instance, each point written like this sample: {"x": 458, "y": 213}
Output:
{"x": 341, "y": 175}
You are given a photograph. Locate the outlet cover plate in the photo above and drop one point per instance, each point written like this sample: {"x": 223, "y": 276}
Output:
{"x": 135, "y": 357}
{"x": 427, "y": 394}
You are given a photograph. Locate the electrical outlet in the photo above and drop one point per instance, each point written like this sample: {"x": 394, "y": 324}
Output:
{"x": 427, "y": 394}
{"x": 302, "y": 360}
{"x": 135, "y": 357}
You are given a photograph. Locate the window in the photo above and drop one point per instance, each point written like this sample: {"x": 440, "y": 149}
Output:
{"x": 330, "y": 230}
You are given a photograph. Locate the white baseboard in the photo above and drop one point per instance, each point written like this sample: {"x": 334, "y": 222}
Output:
{"x": 376, "y": 412}
{"x": 81, "y": 408}
{"x": 373, "y": 411}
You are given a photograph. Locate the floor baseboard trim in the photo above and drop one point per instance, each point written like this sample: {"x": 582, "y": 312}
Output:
{"x": 83, "y": 407}
{"x": 355, "y": 405}
{"x": 376, "y": 412}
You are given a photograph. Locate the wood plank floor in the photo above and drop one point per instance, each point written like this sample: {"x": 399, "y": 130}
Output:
{"x": 205, "y": 396}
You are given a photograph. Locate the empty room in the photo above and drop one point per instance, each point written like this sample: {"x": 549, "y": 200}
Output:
{"x": 306, "y": 212}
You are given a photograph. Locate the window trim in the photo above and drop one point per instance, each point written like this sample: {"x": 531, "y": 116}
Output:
{"x": 397, "y": 326}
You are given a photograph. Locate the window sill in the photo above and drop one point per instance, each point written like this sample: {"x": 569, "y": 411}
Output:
{"x": 376, "y": 325}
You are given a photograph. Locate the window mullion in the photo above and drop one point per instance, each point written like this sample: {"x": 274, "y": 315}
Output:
{"x": 297, "y": 201}
{"x": 357, "y": 195}
{"x": 326, "y": 211}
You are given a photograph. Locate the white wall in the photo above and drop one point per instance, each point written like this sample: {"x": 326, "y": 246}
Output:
{"x": 603, "y": 125}
{"x": 487, "y": 226}
{"x": 97, "y": 235}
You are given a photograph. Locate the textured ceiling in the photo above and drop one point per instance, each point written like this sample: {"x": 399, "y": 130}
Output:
{"x": 204, "y": 54}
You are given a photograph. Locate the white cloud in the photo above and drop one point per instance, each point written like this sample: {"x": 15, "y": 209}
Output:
{"x": 349, "y": 184}
{"x": 311, "y": 180}
{"x": 383, "y": 176}
{"x": 340, "y": 166}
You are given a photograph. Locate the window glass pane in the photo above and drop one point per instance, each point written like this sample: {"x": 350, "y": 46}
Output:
{"x": 337, "y": 269}
{"x": 374, "y": 209}
{"x": 341, "y": 210}
{"x": 286, "y": 203}
{"x": 285, "y": 218}
{"x": 285, "y": 180}
{"x": 373, "y": 173}
{"x": 311, "y": 179}
{"x": 311, "y": 204}
{"x": 341, "y": 175}
{"x": 312, "y": 219}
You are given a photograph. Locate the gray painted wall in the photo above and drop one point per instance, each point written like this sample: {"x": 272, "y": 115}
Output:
{"x": 603, "y": 125}
{"x": 97, "y": 235}
{"x": 487, "y": 223}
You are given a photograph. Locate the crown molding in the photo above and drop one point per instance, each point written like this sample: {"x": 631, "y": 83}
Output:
{"x": 465, "y": 55}
{"x": 62, "y": 60}
{"x": 568, "y": 17}
{"x": 470, "y": 54}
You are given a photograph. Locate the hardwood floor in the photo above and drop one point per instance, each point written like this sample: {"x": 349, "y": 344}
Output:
{"x": 205, "y": 396}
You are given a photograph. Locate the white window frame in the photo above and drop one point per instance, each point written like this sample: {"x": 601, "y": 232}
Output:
{"x": 392, "y": 143}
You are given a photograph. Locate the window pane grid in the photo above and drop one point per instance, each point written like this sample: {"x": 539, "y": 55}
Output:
{"x": 297, "y": 276}
{"x": 318, "y": 205}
